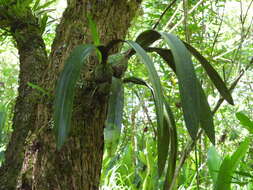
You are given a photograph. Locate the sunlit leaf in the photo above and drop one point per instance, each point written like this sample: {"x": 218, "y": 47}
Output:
{"x": 213, "y": 162}
{"x": 36, "y": 4}
{"x": 93, "y": 30}
{"x": 224, "y": 176}
{"x": 94, "y": 34}
{"x": 43, "y": 23}
{"x": 65, "y": 91}
{"x": 245, "y": 121}
{"x": 45, "y": 5}
{"x": 228, "y": 166}
{"x": 239, "y": 153}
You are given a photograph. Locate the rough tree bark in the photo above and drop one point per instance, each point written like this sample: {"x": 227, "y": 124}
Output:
{"x": 32, "y": 161}
{"x": 33, "y": 61}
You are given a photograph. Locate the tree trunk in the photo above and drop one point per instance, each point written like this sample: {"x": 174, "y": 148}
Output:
{"x": 78, "y": 164}
{"x": 33, "y": 61}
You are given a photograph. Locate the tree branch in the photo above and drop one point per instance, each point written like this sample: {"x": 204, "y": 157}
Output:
{"x": 167, "y": 8}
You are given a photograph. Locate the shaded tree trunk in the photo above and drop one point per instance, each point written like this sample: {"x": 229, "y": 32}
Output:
{"x": 38, "y": 165}
{"x": 33, "y": 61}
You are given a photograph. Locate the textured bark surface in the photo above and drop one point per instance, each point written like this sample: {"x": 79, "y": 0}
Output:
{"x": 78, "y": 165}
{"x": 33, "y": 61}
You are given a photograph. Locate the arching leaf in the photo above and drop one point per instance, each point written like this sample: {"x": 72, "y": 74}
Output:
{"x": 206, "y": 118}
{"x": 188, "y": 87}
{"x": 212, "y": 73}
{"x": 163, "y": 143}
{"x": 155, "y": 81}
{"x": 167, "y": 140}
{"x": 165, "y": 54}
{"x": 63, "y": 103}
{"x": 163, "y": 136}
{"x": 147, "y": 37}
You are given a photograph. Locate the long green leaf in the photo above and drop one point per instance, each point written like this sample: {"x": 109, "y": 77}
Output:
{"x": 224, "y": 176}
{"x": 212, "y": 73}
{"x": 115, "y": 110}
{"x": 245, "y": 121}
{"x": 163, "y": 143}
{"x": 166, "y": 138}
{"x": 229, "y": 165}
{"x": 173, "y": 147}
{"x": 158, "y": 97}
{"x": 65, "y": 91}
{"x": 188, "y": 86}
{"x": 206, "y": 118}
{"x": 145, "y": 39}
{"x": 204, "y": 113}
{"x": 115, "y": 116}
{"x": 155, "y": 81}
{"x": 240, "y": 152}
{"x": 148, "y": 37}
{"x": 213, "y": 163}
